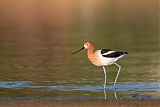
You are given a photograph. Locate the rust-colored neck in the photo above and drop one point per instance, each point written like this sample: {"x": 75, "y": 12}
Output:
{"x": 92, "y": 54}
{"x": 93, "y": 57}
{"x": 90, "y": 50}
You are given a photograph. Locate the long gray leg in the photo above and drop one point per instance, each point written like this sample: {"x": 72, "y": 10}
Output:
{"x": 105, "y": 76}
{"x": 115, "y": 94}
{"x": 105, "y": 94}
{"x": 119, "y": 68}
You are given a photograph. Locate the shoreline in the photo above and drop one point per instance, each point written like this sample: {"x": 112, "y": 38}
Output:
{"x": 80, "y": 103}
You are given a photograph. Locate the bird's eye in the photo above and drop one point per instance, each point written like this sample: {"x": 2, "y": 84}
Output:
{"x": 87, "y": 44}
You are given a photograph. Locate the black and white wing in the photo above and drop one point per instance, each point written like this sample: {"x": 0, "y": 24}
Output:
{"x": 108, "y": 53}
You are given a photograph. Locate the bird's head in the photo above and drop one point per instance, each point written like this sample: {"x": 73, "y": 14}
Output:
{"x": 87, "y": 45}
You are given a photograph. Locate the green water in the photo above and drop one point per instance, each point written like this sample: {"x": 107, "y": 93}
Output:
{"x": 36, "y": 39}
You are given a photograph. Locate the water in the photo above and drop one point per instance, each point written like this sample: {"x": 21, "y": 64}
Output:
{"x": 124, "y": 90}
{"x": 36, "y": 40}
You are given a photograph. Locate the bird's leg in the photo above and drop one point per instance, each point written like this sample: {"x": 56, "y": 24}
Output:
{"x": 119, "y": 68}
{"x": 105, "y": 94}
{"x": 105, "y": 76}
{"x": 115, "y": 94}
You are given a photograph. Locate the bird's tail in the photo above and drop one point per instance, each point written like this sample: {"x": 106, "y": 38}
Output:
{"x": 125, "y": 52}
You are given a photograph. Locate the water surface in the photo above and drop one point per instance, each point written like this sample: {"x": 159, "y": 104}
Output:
{"x": 36, "y": 39}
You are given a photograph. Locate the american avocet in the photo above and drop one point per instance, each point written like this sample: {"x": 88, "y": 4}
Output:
{"x": 103, "y": 57}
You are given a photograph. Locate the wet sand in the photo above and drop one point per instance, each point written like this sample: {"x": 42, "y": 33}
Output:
{"x": 93, "y": 103}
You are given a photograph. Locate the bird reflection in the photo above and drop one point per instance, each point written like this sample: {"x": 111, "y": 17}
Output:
{"x": 114, "y": 92}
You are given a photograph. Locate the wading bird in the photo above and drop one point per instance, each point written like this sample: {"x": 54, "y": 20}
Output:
{"x": 103, "y": 57}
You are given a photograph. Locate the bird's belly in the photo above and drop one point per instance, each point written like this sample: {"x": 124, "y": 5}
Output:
{"x": 102, "y": 62}
{"x": 107, "y": 61}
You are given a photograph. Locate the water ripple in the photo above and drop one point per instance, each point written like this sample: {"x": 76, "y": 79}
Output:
{"x": 121, "y": 86}
{"x": 13, "y": 84}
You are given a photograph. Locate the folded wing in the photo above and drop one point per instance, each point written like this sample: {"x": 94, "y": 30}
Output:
{"x": 108, "y": 53}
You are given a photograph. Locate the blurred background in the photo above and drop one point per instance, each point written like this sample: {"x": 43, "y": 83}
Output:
{"x": 37, "y": 37}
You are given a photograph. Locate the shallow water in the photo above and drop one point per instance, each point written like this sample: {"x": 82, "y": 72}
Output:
{"x": 36, "y": 40}
{"x": 123, "y": 90}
